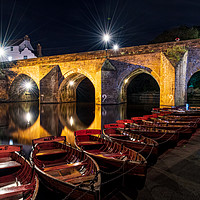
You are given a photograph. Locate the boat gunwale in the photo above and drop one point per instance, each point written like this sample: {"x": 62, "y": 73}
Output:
{"x": 96, "y": 185}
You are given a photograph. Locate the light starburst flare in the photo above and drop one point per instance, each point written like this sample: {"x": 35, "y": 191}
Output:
{"x": 2, "y": 51}
{"x": 106, "y": 37}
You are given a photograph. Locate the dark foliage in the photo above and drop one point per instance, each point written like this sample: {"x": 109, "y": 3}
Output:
{"x": 182, "y": 32}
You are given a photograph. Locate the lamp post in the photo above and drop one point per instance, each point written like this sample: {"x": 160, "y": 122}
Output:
{"x": 106, "y": 38}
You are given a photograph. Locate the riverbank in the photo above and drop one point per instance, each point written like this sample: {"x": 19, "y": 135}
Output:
{"x": 176, "y": 175}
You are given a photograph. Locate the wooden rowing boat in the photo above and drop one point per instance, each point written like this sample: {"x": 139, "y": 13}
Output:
{"x": 186, "y": 112}
{"x": 195, "y": 119}
{"x": 18, "y": 180}
{"x": 65, "y": 169}
{"x": 174, "y": 122}
{"x": 181, "y": 129}
{"x": 143, "y": 145}
{"x": 177, "y": 111}
{"x": 111, "y": 156}
{"x": 159, "y": 135}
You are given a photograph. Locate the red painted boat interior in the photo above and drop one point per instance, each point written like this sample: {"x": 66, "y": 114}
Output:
{"x": 17, "y": 179}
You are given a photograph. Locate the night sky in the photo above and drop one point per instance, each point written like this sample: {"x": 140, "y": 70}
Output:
{"x": 77, "y": 25}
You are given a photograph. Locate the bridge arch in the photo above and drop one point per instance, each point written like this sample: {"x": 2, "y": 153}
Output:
{"x": 68, "y": 88}
{"x": 23, "y": 88}
{"x": 193, "y": 89}
{"x": 126, "y": 80}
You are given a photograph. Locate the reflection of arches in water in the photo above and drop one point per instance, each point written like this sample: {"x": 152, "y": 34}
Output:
{"x": 143, "y": 89}
{"x": 76, "y": 116}
{"x": 49, "y": 119}
{"x": 193, "y": 89}
{"x": 23, "y": 88}
{"x": 76, "y": 87}
{"x": 24, "y": 114}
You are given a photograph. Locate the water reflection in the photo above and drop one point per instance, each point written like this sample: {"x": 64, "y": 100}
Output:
{"x": 76, "y": 116}
{"x": 23, "y": 115}
{"x": 22, "y": 122}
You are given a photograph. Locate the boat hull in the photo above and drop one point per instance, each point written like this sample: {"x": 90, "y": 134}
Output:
{"x": 17, "y": 178}
{"x": 62, "y": 171}
{"x": 112, "y": 157}
{"x": 145, "y": 146}
{"x": 160, "y": 137}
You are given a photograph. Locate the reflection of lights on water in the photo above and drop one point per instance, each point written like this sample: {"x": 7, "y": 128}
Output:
{"x": 28, "y": 117}
{"x": 10, "y": 142}
{"x": 71, "y": 121}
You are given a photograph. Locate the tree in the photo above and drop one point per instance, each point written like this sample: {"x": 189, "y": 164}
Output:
{"x": 182, "y": 32}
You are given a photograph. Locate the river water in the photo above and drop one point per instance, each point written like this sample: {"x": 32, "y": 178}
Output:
{"x": 24, "y": 121}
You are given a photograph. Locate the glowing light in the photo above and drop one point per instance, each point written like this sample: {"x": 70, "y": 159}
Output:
{"x": 28, "y": 117}
{"x": 71, "y": 83}
{"x": 106, "y": 37}
{"x": 116, "y": 47}
{"x": 10, "y": 142}
{"x": 71, "y": 121}
{"x": 9, "y": 58}
{"x": 28, "y": 85}
{"x": 126, "y": 81}
{"x": 2, "y": 52}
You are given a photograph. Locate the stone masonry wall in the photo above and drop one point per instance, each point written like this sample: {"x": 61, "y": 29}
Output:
{"x": 127, "y": 60}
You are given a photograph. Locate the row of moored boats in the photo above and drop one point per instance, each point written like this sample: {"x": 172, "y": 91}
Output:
{"x": 123, "y": 149}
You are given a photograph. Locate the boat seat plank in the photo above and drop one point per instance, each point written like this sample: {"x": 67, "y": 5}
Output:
{"x": 89, "y": 143}
{"x": 9, "y": 183}
{"x": 69, "y": 176}
{"x": 9, "y": 164}
{"x": 16, "y": 190}
{"x": 5, "y": 159}
{"x": 81, "y": 179}
{"x": 113, "y": 155}
{"x": 65, "y": 166}
{"x": 93, "y": 151}
{"x": 50, "y": 152}
{"x": 117, "y": 135}
{"x": 105, "y": 154}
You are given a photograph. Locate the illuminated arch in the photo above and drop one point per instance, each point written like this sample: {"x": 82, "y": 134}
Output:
{"x": 23, "y": 88}
{"x": 193, "y": 89}
{"x": 125, "y": 81}
{"x": 68, "y": 87}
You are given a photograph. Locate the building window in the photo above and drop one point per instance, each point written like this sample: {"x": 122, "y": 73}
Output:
{"x": 25, "y": 57}
{"x": 11, "y": 48}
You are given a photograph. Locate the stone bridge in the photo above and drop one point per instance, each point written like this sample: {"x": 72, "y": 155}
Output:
{"x": 56, "y": 78}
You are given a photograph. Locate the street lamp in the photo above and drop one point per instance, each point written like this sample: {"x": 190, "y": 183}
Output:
{"x": 2, "y": 52}
{"x": 71, "y": 83}
{"x": 106, "y": 38}
{"x": 28, "y": 85}
{"x": 116, "y": 47}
